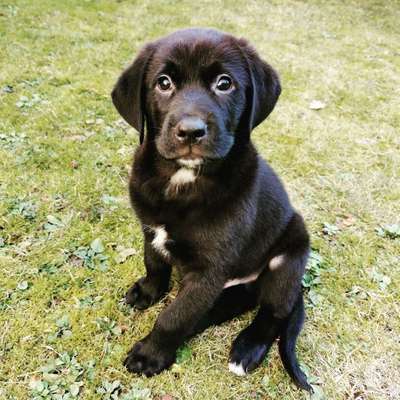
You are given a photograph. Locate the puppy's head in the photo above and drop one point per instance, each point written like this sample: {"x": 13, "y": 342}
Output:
{"x": 198, "y": 92}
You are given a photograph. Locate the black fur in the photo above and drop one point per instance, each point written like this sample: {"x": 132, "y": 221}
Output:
{"x": 230, "y": 219}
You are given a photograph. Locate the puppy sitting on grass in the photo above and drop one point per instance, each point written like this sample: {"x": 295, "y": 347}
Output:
{"x": 208, "y": 203}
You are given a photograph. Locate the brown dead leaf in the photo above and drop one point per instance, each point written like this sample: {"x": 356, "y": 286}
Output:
{"x": 75, "y": 261}
{"x": 74, "y": 164}
{"x": 166, "y": 397}
{"x": 124, "y": 253}
{"x": 346, "y": 222}
{"x": 80, "y": 138}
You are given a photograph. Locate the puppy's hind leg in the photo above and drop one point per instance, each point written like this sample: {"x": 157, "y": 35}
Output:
{"x": 232, "y": 302}
{"x": 252, "y": 344}
{"x": 281, "y": 310}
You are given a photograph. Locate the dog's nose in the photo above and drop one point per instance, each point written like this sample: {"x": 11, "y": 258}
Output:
{"x": 191, "y": 129}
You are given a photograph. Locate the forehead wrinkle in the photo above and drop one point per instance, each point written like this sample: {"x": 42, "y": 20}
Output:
{"x": 196, "y": 57}
{"x": 192, "y": 55}
{"x": 188, "y": 59}
{"x": 183, "y": 59}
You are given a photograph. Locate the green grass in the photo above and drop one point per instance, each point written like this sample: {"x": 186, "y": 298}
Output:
{"x": 64, "y": 153}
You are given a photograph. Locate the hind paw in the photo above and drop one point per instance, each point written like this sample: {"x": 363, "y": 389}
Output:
{"x": 246, "y": 354}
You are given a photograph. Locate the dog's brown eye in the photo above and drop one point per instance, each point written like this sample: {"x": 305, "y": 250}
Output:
{"x": 164, "y": 83}
{"x": 224, "y": 83}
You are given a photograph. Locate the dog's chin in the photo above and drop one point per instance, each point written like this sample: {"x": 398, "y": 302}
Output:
{"x": 190, "y": 158}
{"x": 195, "y": 160}
{"x": 190, "y": 162}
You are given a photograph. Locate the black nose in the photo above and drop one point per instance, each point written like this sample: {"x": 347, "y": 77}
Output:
{"x": 191, "y": 130}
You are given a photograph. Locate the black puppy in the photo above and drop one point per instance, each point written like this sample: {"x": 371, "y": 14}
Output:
{"x": 207, "y": 202}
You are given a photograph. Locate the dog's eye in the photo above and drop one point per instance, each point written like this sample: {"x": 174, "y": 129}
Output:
{"x": 224, "y": 83}
{"x": 164, "y": 83}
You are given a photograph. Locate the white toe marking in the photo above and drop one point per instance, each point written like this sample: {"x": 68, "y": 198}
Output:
{"x": 237, "y": 369}
{"x": 239, "y": 281}
{"x": 160, "y": 238}
{"x": 276, "y": 262}
{"x": 190, "y": 163}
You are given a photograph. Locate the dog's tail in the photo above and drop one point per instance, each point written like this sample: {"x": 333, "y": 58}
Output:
{"x": 287, "y": 345}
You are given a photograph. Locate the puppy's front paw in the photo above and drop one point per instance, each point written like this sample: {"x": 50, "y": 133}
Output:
{"x": 148, "y": 359}
{"x": 144, "y": 293}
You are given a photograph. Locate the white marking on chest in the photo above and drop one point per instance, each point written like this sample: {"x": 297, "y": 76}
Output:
{"x": 160, "y": 238}
{"x": 237, "y": 369}
{"x": 277, "y": 262}
{"x": 240, "y": 281}
{"x": 181, "y": 177}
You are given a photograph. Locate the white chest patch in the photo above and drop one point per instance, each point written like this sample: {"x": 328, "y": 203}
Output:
{"x": 277, "y": 262}
{"x": 240, "y": 281}
{"x": 181, "y": 177}
{"x": 160, "y": 238}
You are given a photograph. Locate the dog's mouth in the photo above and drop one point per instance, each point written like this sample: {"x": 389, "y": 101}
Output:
{"x": 191, "y": 152}
{"x": 194, "y": 159}
{"x": 191, "y": 155}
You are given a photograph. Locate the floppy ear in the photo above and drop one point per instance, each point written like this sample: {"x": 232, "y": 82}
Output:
{"x": 264, "y": 89}
{"x": 129, "y": 94}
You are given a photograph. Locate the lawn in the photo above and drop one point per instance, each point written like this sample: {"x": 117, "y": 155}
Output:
{"x": 70, "y": 245}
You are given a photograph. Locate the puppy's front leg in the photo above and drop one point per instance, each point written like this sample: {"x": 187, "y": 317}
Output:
{"x": 150, "y": 288}
{"x": 157, "y": 351}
